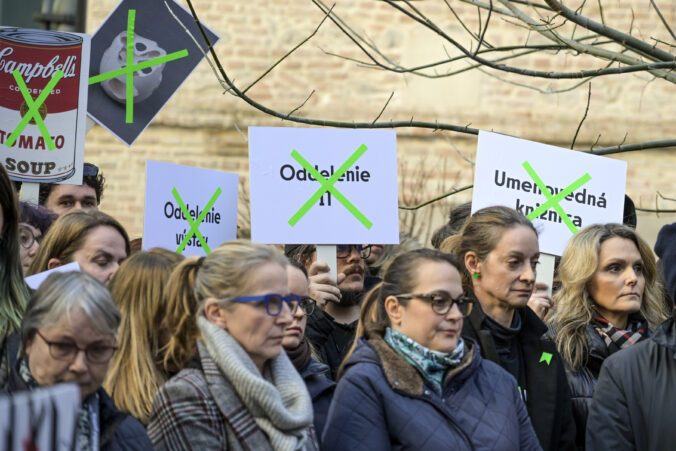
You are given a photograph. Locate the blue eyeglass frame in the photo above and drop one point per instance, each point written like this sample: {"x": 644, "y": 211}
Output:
{"x": 267, "y": 297}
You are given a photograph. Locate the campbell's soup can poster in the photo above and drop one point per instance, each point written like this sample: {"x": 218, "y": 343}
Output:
{"x": 36, "y": 56}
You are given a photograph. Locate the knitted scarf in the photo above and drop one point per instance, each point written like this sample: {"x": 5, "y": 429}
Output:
{"x": 301, "y": 355}
{"x": 278, "y": 400}
{"x": 432, "y": 365}
{"x": 616, "y": 339}
{"x": 87, "y": 432}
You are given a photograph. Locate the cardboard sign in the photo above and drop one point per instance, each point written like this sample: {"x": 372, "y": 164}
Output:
{"x": 36, "y": 280}
{"x": 43, "y": 104}
{"x": 161, "y": 44}
{"x": 189, "y": 210}
{"x": 560, "y": 190}
{"x": 43, "y": 419}
{"x": 323, "y": 186}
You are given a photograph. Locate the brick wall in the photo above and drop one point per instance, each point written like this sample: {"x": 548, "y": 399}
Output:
{"x": 199, "y": 125}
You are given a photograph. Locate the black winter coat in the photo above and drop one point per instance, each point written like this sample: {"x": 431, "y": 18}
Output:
{"x": 119, "y": 431}
{"x": 332, "y": 340}
{"x": 547, "y": 397}
{"x": 321, "y": 389}
{"x": 582, "y": 383}
{"x": 635, "y": 400}
{"x": 383, "y": 403}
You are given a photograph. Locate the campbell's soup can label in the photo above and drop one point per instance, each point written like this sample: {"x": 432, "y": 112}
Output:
{"x": 38, "y": 55}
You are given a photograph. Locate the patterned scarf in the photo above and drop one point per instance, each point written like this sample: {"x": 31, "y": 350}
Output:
{"x": 87, "y": 431}
{"x": 432, "y": 365}
{"x": 616, "y": 339}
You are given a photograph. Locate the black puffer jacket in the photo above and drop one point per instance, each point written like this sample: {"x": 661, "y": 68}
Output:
{"x": 583, "y": 382}
{"x": 635, "y": 401}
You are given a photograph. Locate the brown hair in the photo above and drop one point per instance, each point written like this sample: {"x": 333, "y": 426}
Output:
{"x": 574, "y": 307}
{"x": 68, "y": 234}
{"x": 481, "y": 233}
{"x": 138, "y": 288}
{"x": 222, "y": 274}
{"x": 401, "y": 277}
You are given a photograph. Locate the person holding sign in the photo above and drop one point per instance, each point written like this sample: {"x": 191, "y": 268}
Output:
{"x": 240, "y": 391}
{"x": 412, "y": 382}
{"x": 68, "y": 336}
{"x": 610, "y": 299}
{"x": 500, "y": 251}
{"x": 96, "y": 241}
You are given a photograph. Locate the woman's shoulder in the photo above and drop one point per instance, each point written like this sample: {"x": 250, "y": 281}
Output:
{"x": 189, "y": 382}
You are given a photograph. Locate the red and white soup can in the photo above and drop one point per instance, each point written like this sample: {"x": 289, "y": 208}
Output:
{"x": 38, "y": 55}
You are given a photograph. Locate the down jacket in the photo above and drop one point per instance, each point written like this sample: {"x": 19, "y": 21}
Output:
{"x": 383, "y": 403}
{"x": 635, "y": 400}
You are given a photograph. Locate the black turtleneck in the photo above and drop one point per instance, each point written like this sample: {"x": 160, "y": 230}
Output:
{"x": 506, "y": 344}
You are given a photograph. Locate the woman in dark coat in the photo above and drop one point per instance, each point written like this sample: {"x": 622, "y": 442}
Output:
{"x": 412, "y": 382}
{"x": 68, "y": 335}
{"x": 500, "y": 251}
{"x": 298, "y": 348}
{"x": 609, "y": 300}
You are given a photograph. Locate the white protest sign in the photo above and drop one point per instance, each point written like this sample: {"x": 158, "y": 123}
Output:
{"x": 36, "y": 280}
{"x": 44, "y": 77}
{"x": 43, "y": 419}
{"x": 189, "y": 210}
{"x": 583, "y": 189}
{"x": 357, "y": 204}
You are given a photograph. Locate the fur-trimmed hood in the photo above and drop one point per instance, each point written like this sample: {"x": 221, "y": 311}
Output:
{"x": 401, "y": 375}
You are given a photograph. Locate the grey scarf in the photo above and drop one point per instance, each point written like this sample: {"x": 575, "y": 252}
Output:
{"x": 278, "y": 400}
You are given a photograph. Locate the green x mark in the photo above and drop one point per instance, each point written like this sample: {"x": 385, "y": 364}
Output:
{"x": 194, "y": 225}
{"x": 33, "y": 108}
{"x": 553, "y": 201}
{"x": 130, "y": 68}
{"x": 327, "y": 185}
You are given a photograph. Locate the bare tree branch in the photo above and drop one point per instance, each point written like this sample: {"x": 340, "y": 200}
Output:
{"x": 586, "y": 110}
{"x": 427, "y": 202}
{"x": 664, "y": 22}
{"x": 301, "y": 105}
{"x": 383, "y": 109}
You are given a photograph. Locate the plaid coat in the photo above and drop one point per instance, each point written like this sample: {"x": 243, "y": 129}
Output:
{"x": 198, "y": 409}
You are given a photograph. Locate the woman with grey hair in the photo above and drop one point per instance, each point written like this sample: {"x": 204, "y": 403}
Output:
{"x": 240, "y": 391}
{"x": 68, "y": 335}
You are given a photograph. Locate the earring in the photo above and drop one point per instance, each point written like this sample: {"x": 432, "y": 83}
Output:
{"x": 476, "y": 275}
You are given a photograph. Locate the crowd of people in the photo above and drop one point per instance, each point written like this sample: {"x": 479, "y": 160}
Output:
{"x": 255, "y": 346}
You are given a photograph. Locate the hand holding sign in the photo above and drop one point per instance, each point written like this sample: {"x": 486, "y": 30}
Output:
{"x": 324, "y": 288}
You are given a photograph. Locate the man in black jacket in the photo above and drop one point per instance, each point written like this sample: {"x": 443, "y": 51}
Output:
{"x": 634, "y": 404}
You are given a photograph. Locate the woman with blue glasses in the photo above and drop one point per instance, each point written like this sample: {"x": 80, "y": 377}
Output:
{"x": 240, "y": 391}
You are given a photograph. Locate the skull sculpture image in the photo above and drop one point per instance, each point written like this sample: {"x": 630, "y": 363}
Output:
{"x": 146, "y": 81}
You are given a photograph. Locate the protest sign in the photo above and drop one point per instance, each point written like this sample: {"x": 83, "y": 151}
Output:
{"x": 189, "y": 210}
{"x": 43, "y": 104}
{"x": 36, "y": 280}
{"x": 560, "y": 190}
{"x": 128, "y": 89}
{"x": 323, "y": 186}
{"x": 43, "y": 419}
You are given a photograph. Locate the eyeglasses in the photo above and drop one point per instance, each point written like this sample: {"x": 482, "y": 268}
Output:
{"x": 273, "y": 302}
{"x": 26, "y": 237}
{"x": 68, "y": 351}
{"x": 308, "y": 305}
{"x": 442, "y": 303}
{"x": 344, "y": 250}
{"x": 90, "y": 170}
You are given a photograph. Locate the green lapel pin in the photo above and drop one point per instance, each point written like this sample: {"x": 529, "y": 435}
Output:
{"x": 546, "y": 357}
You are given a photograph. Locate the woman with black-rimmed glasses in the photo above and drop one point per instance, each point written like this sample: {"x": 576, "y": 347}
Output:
{"x": 412, "y": 382}
{"x": 302, "y": 354}
{"x": 68, "y": 335}
{"x": 240, "y": 391}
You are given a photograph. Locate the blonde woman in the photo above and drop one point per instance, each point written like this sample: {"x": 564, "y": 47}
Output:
{"x": 240, "y": 391}
{"x": 610, "y": 298}
{"x": 136, "y": 370}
